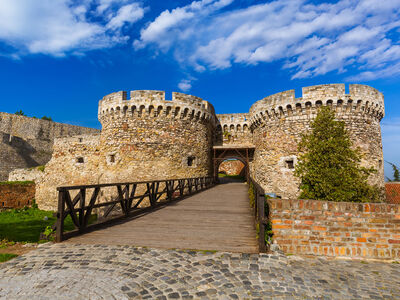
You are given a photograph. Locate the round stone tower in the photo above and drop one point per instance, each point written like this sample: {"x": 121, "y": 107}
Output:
{"x": 278, "y": 121}
{"x": 148, "y": 137}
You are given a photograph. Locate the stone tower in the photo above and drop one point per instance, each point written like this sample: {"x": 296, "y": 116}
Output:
{"x": 143, "y": 138}
{"x": 278, "y": 121}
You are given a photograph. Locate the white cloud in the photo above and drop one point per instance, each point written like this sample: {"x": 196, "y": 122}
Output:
{"x": 160, "y": 28}
{"x": 57, "y": 27}
{"x": 185, "y": 85}
{"x": 129, "y": 13}
{"x": 310, "y": 39}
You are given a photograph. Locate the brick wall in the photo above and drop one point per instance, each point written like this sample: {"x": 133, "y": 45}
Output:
{"x": 393, "y": 192}
{"x": 16, "y": 195}
{"x": 366, "y": 230}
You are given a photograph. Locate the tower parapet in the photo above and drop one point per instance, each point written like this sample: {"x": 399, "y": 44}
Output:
{"x": 146, "y": 103}
{"x": 361, "y": 101}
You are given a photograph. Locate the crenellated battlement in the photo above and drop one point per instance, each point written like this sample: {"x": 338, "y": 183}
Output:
{"x": 147, "y": 103}
{"x": 233, "y": 122}
{"x": 361, "y": 100}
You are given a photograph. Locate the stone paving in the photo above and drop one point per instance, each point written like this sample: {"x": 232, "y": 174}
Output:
{"x": 73, "y": 271}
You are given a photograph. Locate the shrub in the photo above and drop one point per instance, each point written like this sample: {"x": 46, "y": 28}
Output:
{"x": 20, "y": 113}
{"x": 328, "y": 167}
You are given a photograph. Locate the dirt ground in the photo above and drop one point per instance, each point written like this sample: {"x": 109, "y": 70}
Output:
{"x": 18, "y": 248}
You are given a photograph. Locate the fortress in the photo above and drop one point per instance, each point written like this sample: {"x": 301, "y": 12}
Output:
{"x": 145, "y": 137}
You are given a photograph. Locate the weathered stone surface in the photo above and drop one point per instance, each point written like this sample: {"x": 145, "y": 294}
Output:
{"x": 232, "y": 167}
{"x": 29, "y": 174}
{"x": 27, "y": 142}
{"x": 144, "y": 138}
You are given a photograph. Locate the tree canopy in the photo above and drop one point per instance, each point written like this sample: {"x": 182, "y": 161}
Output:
{"x": 329, "y": 167}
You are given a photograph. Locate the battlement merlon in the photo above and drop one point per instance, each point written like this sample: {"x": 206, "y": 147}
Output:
{"x": 359, "y": 95}
{"x": 233, "y": 118}
{"x": 118, "y": 101}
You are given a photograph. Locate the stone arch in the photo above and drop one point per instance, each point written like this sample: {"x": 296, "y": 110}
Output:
{"x": 151, "y": 111}
{"x": 159, "y": 110}
{"x": 168, "y": 110}
{"x": 245, "y": 171}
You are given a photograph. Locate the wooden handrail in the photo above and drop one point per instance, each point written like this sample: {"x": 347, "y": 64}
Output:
{"x": 126, "y": 197}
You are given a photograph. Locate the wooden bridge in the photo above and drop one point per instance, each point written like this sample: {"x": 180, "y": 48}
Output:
{"x": 213, "y": 218}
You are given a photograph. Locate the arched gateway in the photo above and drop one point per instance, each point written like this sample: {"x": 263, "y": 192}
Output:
{"x": 241, "y": 153}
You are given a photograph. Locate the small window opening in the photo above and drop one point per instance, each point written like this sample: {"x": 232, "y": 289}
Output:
{"x": 112, "y": 158}
{"x": 290, "y": 164}
{"x": 190, "y": 161}
{"x": 80, "y": 160}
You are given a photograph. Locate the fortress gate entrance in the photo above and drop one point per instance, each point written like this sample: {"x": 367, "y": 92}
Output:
{"x": 241, "y": 153}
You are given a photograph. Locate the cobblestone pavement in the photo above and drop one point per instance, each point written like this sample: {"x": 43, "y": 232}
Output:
{"x": 68, "y": 271}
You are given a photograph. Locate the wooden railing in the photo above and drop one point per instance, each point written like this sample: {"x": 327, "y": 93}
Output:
{"x": 127, "y": 198}
{"x": 260, "y": 214}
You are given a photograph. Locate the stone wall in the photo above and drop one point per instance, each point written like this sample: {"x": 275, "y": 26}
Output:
{"x": 233, "y": 130}
{"x": 143, "y": 138}
{"x": 30, "y": 174}
{"x": 27, "y": 142}
{"x": 392, "y": 192}
{"x": 16, "y": 195}
{"x": 278, "y": 122}
{"x": 365, "y": 230}
{"x": 232, "y": 167}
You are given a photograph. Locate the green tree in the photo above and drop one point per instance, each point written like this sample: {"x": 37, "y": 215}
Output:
{"x": 396, "y": 173}
{"x": 328, "y": 167}
{"x": 20, "y": 113}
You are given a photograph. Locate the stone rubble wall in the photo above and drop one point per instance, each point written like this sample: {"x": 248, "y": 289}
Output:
{"x": 144, "y": 138}
{"x": 232, "y": 167}
{"x": 278, "y": 121}
{"x": 233, "y": 130}
{"x": 27, "y": 142}
{"x": 340, "y": 229}
{"x": 16, "y": 195}
{"x": 27, "y": 174}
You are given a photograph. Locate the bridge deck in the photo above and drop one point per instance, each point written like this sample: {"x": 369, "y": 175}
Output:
{"x": 216, "y": 219}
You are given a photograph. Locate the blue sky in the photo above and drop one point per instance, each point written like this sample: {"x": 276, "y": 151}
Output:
{"x": 59, "y": 57}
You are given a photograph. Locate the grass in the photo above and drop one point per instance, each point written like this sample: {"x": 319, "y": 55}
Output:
{"x": 221, "y": 175}
{"x": 25, "y": 225}
{"x": 6, "y": 256}
{"x": 16, "y": 182}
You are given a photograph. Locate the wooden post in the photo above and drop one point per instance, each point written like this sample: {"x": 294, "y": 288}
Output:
{"x": 82, "y": 209}
{"x": 60, "y": 216}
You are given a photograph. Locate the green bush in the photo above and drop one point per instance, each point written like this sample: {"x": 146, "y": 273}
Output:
{"x": 328, "y": 167}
